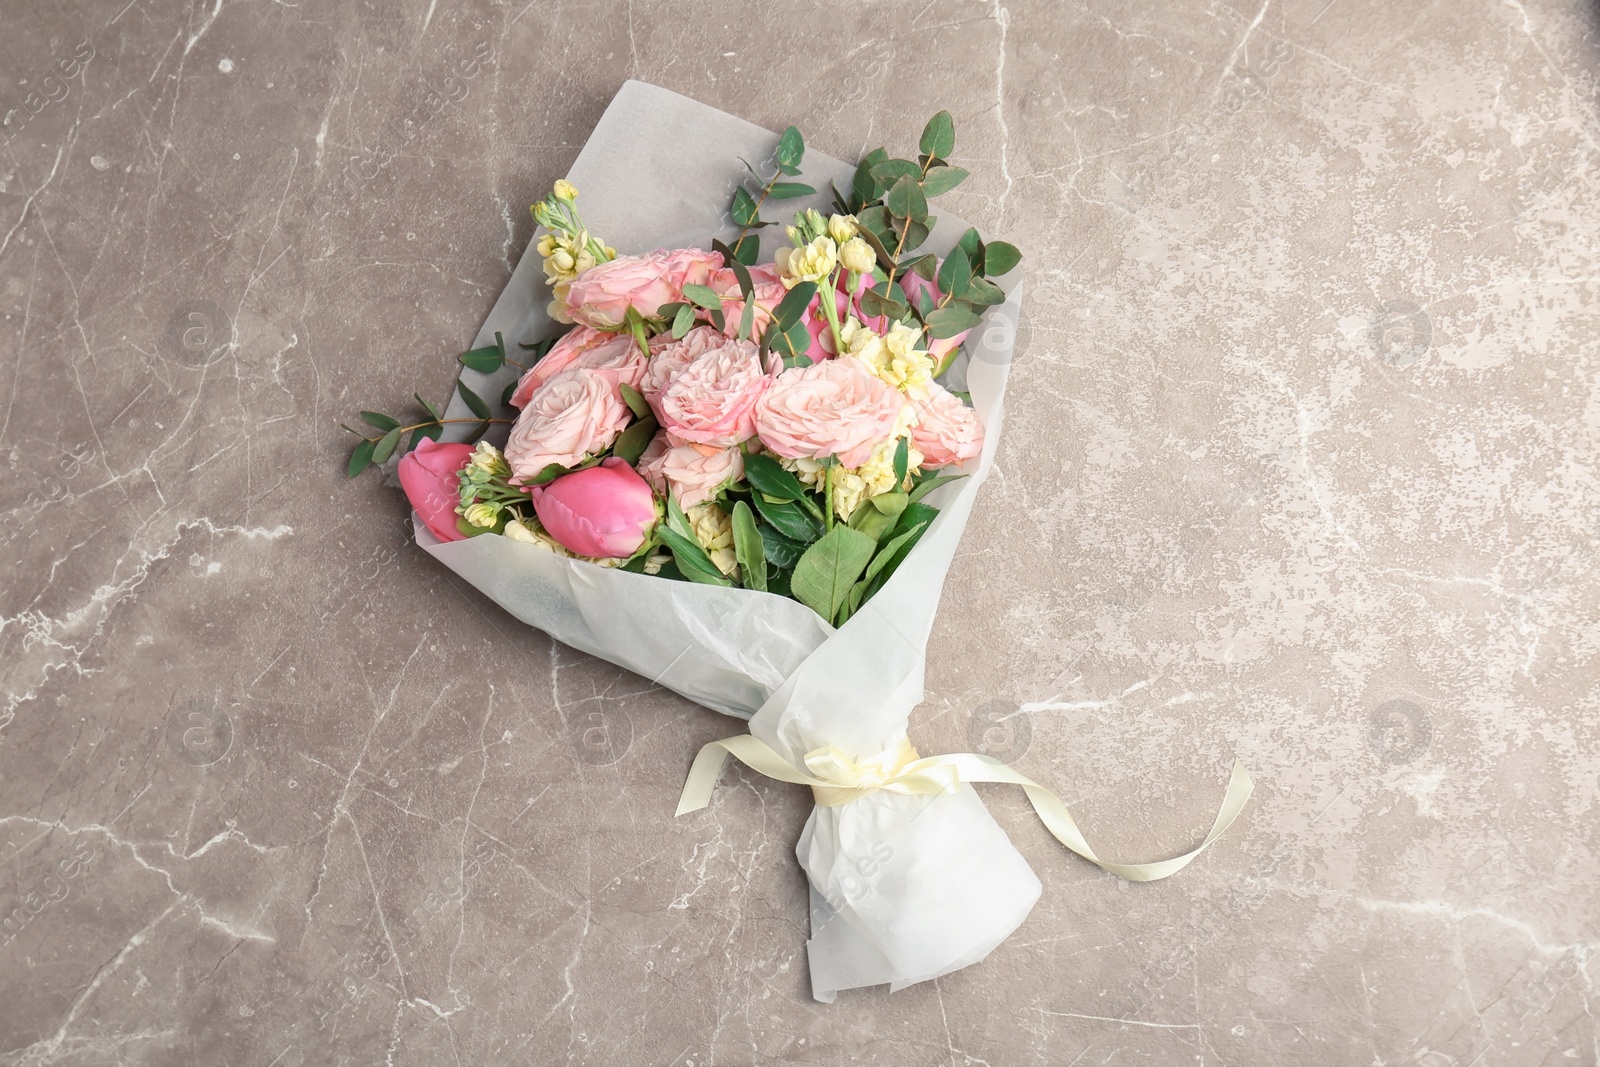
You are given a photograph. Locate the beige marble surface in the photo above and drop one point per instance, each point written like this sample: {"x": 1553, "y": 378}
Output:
{"x": 1302, "y": 465}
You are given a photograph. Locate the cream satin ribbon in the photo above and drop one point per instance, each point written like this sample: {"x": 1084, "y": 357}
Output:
{"x": 836, "y": 779}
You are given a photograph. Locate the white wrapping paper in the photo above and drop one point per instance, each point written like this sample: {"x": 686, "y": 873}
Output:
{"x": 903, "y": 888}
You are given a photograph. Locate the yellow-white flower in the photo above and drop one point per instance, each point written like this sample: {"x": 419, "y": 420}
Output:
{"x": 713, "y": 529}
{"x": 484, "y": 515}
{"x": 849, "y": 490}
{"x": 878, "y": 471}
{"x": 842, "y": 228}
{"x": 487, "y": 460}
{"x": 857, "y": 256}
{"x": 812, "y": 263}
{"x": 565, "y": 190}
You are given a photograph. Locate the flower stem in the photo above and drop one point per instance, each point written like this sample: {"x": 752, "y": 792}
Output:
{"x": 432, "y": 422}
{"x": 827, "y": 493}
{"x": 830, "y": 310}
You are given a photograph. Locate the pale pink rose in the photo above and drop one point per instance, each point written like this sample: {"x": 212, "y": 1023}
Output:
{"x": 617, "y": 355}
{"x": 946, "y": 431}
{"x": 668, "y": 357}
{"x": 601, "y": 296}
{"x": 575, "y": 414}
{"x": 694, "y": 472}
{"x": 603, "y": 512}
{"x": 833, "y": 408}
{"x": 764, "y": 286}
{"x": 711, "y": 401}
{"x": 650, "y": 461}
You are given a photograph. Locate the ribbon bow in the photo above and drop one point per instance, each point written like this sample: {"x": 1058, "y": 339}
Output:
{"x": 835, "y": 778}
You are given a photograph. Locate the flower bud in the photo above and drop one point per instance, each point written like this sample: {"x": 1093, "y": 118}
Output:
{"x": 565, "y": 190}
{"x": 842, "y": 227}
{"x": 857, "y": 256}
{"x": 484, "y": 515}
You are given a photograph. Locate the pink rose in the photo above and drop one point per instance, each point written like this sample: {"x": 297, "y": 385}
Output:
{"x": 428, "y": 475}
{"x": 573, "y": 415}
{"x": 694, "y": 472}
{"x": 616, "y": 355}
{"x": 668, "y": 357}
{"x": 946, "y": 431}
{"x": 601, "y": 296}
{"x": 833, "y": 408}
{"x": 604, "y": 512}
{"x": 711, "y": 401}
{"x": 764, "y": 286}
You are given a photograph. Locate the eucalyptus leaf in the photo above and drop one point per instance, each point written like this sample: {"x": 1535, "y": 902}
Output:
{"x": 985, "y": 293}
{"x": 939, "y": 136}
{"x": 949, "y": 321}
{"x": 474, "y": 402}
{"x": 431, "y": 432}
{"x": 360, "y": 459}
{"x": 793, "y": 305}
{"x": 380, "y": 420}
{"x": 955, "y": 274}
{"x": 972, "y": 244}
{"x": 823, "y": 576}
{"x": 1000, "y": 257}
{"x": 683, "y": 321}
{"x": 704, "y": 296}
{"x": 634, "y": 399}
{"x": 887, "y": 172}
{"x": 905, "y": 199}
{"x": 386, "y": 446}
{"x": 743, "y": 208}
{"x": 940, "y": 180}
{"x": 485, "y": 360}
{"x": 791, "y": 148}
{"x": 632, "y": 442}
{"x": 790, "y": 190}
{"x": 865, "y": 187}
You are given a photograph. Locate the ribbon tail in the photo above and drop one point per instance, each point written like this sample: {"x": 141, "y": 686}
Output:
{"x": 750, "y": 751}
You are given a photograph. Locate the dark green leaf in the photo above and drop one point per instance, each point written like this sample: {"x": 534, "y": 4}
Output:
{"x": 743, "y": 208}
{"x": 380, "y": 420}
{"x": 793, "y": 305}
{"x": 634, "y": 399}
{"x": 902, "y": 461}
{"x": 939, "y": 136}
{"x": 925, "y": 487}
{"x": 823, "y": 576}
{"x": 747, "y": 319}
{"x": 474, "y": 402}
{"x": 972, "y": 245}
{"x": 386, "y": 446}
{"x": 949, "y": 321}
{"x": 955, "y": 274}
{"x": 916, "y": 233}
{"x": 791, "y": 149}
{"x": 485, "y": 360}
{"x": 875, "y": 305}
{"x": 890, "y": 549}
{"x": 683, "y": 321}
{"x": 360, "y": 459}
{"x": 428, "y": 405}
{"x": 780, "y": 551}
{"x": 905, "y": 199}
{"x": 748, "y": 249}
{"x": 704, "y": 296}
{"x": 740, "y": 270}
{"x": 941, "y": 180}
{"x": 1000, "y": 257}
{"x": 924, "y": 266}
{"x": 747, "y": 547}
{"x": 985, "y": 293}
{"x": 887, "y": 172}
{"x": 549, "y": 474}
{"x": 789, "y": 520}
{"x": 506, "y": 393}
{"x": 677, "y": 520}
{"x": 478, "y": 431}
{"x": 864, "y": 186}
{"x": 632, "y": 442}
{"x": 790, "y": 190}
{"x": 766, "y": 476}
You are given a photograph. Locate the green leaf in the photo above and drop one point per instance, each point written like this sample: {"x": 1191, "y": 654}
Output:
{"x": 925, "y": 487}
{"x": 889, "y": 171}
{"x": 955, "y": 274}
{"x": 924, "y": 266}
{"x": 747, "y": 546}
{"x": 549, "y": 474}
{"x": 485, "y": 360}
{"x": 743, "y": 208}
{"x": 677, "y": 520}
{"x": 889, "y": 549}
{"x": 877, "y": 514}
{"x": 949, "y": 321}
{"x": 380, "y": 420}
{"x": 683, "y": 321}
{"x": 506, "y": 393}
{"x": 902, "y": 460}
{"x": 916, "y": 233}
{"x": 634, "y": 399}
{"x": 985, "y": 293}
{"x": 704, "y": 296}
{"x": 431, "y": 409}
{"x": 939, "y": 136}
{"x": 360, "y": 459}
{"x": 431, "y": 432}
{"x": 740, "y": 270}
{"x": 940, "y": 180}
{"x": 1000, "y": 257}
{"x": 791, "y": 148}
{"x": 632, "y": 442}
{"x": 864, "y": 186}
{"x": 691, "y": 558}
{"x": 790, "y": 190}
{"x": 883, "y": 301}
{"x": 793, "y": 305}
{"x": 972, "y": 245}
{"x": 823, "y": 576}
{"x": 905, "y": 199}
{"x": 780, "y": 551}
{"x": 766, "y": 476}
{"x": 747, "y": 319}
{"x": 748, "y": 250}
{"x": 386, "y": 446}
{"x": 474, "y": 402}
{"x": 789, "y": 520}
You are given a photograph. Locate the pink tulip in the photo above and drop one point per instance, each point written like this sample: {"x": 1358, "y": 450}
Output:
{"x": 428, "y": 475}
{"x": 603, "y": 512}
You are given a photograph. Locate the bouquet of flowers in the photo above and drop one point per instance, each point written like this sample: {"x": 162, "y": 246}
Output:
{"x": 744, "y": 476}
